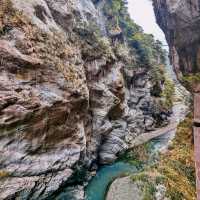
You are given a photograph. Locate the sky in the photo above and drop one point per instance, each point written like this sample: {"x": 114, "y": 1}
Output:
{"x": 142, "y": 13}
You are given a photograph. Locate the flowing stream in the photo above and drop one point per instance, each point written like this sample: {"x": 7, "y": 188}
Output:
{"x": 98, "y": 186}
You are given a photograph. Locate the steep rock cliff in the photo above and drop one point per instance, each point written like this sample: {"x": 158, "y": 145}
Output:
{"x": 73, "y": 91}
{"x": 180, "y": 21}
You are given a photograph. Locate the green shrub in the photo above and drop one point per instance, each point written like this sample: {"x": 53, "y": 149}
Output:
{"x": 191, "y": 80}
{"x": 149, "y": 51}
{"x": 168, "y": 94}
{"x": 147, "y": 185}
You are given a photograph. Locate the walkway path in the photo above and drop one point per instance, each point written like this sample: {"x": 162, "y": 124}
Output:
{"x": 145, "y": 137}
{"x": 180, "y": 110}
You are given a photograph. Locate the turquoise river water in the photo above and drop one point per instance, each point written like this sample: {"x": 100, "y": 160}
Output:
{"x": 97, "y": 187}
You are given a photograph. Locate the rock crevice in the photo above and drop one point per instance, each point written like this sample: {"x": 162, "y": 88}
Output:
{"x": 73, "y": 93}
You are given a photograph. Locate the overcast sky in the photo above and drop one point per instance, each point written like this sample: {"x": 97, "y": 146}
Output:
{"x": 142, "y": 13}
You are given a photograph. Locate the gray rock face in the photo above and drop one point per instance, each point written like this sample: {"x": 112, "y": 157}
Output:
{"x": 124, "y": 188}
{"x": 127, "y": 189}
{"x": 65, "y": 97}
{"x": 73, "y": 193}
{"x": 180, "y": 21}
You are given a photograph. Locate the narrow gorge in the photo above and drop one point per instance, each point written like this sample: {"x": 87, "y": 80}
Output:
{"x": 90, "y": 108}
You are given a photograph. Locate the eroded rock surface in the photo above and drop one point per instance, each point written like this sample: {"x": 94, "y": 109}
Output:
{"x": 180, "y": 21}
{"x": 124, "y": 188}
{"x": 67, "y": 100}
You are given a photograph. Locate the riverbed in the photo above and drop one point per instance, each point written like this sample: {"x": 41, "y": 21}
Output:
{"x": 98, "y": 186}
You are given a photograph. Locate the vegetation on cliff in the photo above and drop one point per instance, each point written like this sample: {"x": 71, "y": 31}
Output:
{"x": 177, "y": 165}
{"x": 148, "y": 51}
{"x": 143, "y": 50}
{"x": 191, "y": 81}
{"x": 167, "y": 94}
{"x": 175, "y": 169}
{"x": 66, "y": 96}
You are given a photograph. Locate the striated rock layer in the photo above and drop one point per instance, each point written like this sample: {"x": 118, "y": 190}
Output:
{"x": 67, "y": 100}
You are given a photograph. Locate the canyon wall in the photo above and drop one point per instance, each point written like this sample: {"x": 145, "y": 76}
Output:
{"x": 180, "y": 21}
{"x": 73, "y": 92}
